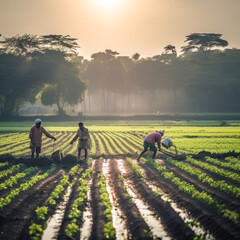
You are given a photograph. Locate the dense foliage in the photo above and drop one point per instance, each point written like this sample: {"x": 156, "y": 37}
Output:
{"x": 203, "y": 78}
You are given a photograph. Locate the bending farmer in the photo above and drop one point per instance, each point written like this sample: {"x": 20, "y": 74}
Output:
{"x": 35, "y": 136}
{"x": 84, "y": 139}
{"x": 149, "y": 143}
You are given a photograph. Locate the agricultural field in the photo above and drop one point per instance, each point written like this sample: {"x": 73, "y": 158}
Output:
{"x": 114, "y": 196}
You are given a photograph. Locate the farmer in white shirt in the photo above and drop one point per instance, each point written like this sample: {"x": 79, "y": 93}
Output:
{"x": 83, "y": 142}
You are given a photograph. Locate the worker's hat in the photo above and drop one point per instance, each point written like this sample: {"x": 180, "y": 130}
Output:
{"x": 38, "y": 121}
{"x": 162, "y": 132}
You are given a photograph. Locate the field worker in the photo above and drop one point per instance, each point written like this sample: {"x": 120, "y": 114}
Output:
{"x": 35, "y": 136}
{"x": 149, "y": 142}
{"x": 84, "y": 139}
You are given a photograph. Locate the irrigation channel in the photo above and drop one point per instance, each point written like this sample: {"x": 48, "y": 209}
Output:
{"x": 114, "y": 199}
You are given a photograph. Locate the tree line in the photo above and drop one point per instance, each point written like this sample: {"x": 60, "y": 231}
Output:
{"x": 204, "y": 77}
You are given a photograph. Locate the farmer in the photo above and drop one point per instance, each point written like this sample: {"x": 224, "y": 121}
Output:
{"x": 35, "y": 136}
{"x": 83, "y": 142}
{"x": 149, "y": 142}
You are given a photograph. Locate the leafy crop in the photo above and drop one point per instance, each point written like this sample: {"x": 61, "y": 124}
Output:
{"x": 109, "y": 231}
{"x": 24, "y": 186}
{"x": 135, "y": 167}
{"x": 76, "y": 212}
{"x": 204, "y": 178}
{"x": 190, "y": 189}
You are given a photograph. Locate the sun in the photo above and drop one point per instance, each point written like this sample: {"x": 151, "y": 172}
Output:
{"x": 108, "y": 4}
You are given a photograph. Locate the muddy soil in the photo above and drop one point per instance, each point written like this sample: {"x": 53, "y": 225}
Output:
{"x": 18, "y": 214}
{"x": 135, "y": 224}
{"x": 73, "y": 196}
{"x": 219, "y": 227}
{"x": 231, "y": 202}
{"x": 99, "y": 218}
{"x": 174, "y": 225}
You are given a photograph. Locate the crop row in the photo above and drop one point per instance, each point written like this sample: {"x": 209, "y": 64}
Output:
{"x": 213, "y": 169}
{"x": 117, "y": 142}
{"x": 72, "y": 228}
{"x": 228, "y": 165}
{"x": 36, "y": 229}
{"x": 191, "y": 190}
{"x": 109, "y": 231}
{"x": 204, "y": 178}
{"x": 24, "y": 186}
{"x": 14, "y": 179}
{"x": 10, "y": 170}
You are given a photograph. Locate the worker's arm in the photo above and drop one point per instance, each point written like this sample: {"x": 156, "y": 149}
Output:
{"x": 75, "y": 137}
{"x": 48, "y": 134}
{"x": 31, "y": 133}
{"x": 159, "y": 143}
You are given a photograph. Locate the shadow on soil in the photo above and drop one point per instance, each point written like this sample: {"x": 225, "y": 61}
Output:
{"x": 58, "y": 158}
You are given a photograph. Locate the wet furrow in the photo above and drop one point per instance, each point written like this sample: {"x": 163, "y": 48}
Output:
{"x": 54, "y": 223}
{"x": 99, "y": 219}
{"x": 136, "y": 226}
{"x": 118, "y": 219}
{"x": 19, "y": 213}
{"x": 61, "y": 235}
{"x": 85, "y": 230}
{"x": 219, "y": 227}
{"x": 169, "y": 221}
{"x": 231, "y": 202}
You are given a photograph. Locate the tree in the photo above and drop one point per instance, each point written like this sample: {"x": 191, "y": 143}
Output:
{"x": 66, "y": 85}
{"x": 20, "y": 45}
{"x": 136, "y": 56}
{"x": 203, "y": 42}
{"x": 16, "y": 83}
{"x": 170, "y": 49}
{"x": 60, "y": 43}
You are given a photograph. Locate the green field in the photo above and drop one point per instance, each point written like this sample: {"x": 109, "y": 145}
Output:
{"x": 113, "y": 137}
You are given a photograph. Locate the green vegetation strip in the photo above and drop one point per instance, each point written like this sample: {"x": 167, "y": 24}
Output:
{"x": 234, "y": 166}
{"x": 72, "y": 228}
{"x": 109, "y": 231}
{"x": 36, "y": 229}
{"x": 14, "y": 179}
{"x": 3, "y": 164}
{"x": 93, "y": 145}
{"x": 25, "y": 186}
{"x": 214, "y": 169}
{"x": 135, "y": 167}
{"x": 204, "y": 178}
{"x": 190, "y": 190}
{"x": 101, "y": 146}
{"x": 11, "y": 170}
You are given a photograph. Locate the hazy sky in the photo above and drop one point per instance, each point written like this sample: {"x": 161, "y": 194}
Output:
{"x": 126, "y": 26}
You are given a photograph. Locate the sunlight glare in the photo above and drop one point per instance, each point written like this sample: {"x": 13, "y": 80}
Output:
{"x": 108, "y": 4}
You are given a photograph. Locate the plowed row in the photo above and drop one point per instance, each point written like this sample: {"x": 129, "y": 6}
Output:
{"x": 143, "y": 206}
{"x": 146, "y": 202}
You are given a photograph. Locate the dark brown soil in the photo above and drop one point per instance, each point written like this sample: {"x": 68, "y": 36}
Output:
{"x": 174, "y": 225}
{"x": 220, "y": 227}
{"x": 135, "y": 223}
{"x": 73, "y": 196}
{"x": 99, "y": 218}
{"x": 231, "y": 202}
{"x": 18, "y": 214}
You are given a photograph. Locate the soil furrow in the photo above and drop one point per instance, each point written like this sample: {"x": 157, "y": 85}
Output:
{"x": 73, "y": 196}
{"x": 219, "y": 227}
{"x": 19, "y": 213}
{"x": 135, "y": 222}
{"x": 170, "y": 219}
{"x": 230, "y": 201}
{"x": 97, "y": 208}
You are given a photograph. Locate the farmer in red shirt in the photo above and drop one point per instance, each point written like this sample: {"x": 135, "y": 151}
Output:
{"x": 149, "y": 142}
{"x": 35, "y": 136}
